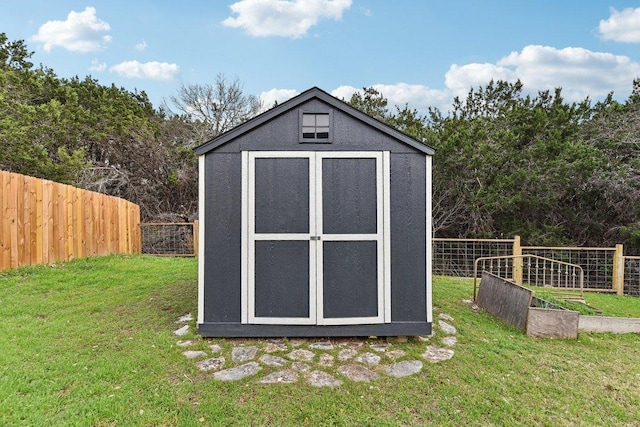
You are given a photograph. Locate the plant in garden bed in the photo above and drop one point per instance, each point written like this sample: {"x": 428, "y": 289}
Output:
{"x": 548, "y": 300}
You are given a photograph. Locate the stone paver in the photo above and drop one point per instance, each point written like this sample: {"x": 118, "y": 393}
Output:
{"x": 347, "y": 354}
{"x": 445, "y": 316}
{"x": 243, "y": 354}
{"x": 238, "y": 373}
{"x": 395, "y": 354}
{"x": 473, "y": 305}
{"x": 271, "y": 360}
{"x": 275, "y": 345}
{"x": 404, "y": 368}
{"x": 213, "y": 364}
{"x": 449, "y": 341}
{"x": 436, "y": 354}
{"x": 194, "y": 354}
{"x": 324, "y": 345}
{"x": 447, "y": 328}
{"x": 304, "y": 357}
{"x": 379, "y": 347}
{"x": 301, "y": 354}
{"x": 300, "y": 367}
{"x": 357, "y": 373}
{"x": 281, "y": 377}
{"x": 322, "y": 379}
{"x": 186, "y": 318}
{"x": 368, "y": 359}
{"x": 325, "y": 360}
{"x": 181, "y": 331}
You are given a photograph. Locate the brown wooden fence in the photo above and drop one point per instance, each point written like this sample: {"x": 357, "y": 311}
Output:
{"x": 46, "y": 222}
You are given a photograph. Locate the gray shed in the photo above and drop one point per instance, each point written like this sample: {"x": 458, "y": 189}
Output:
{"x": 315, "y": 220}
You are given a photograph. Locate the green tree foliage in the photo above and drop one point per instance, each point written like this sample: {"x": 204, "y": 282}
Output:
{"x": 551, "y": 171}
{"x": 548, "y": 170}
{"x": 102, "y": 138}
{"x": 371, "y": 102}
{"x": 514, "y": 160}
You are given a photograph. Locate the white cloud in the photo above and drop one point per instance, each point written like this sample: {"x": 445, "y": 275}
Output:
{"x": 579, "y": 72}
{"x": 460, "y": 78}
{"x": 141, "y": 46}
{"x": 419, "y": 97}
{"x": 416, "y": 96}
{"x": 345, "y": 92}
{"x": 284, "y": 18}
{"x": 148, "y": 70}
{"x": 81, "y": 32}
{"x": 270, "y": 97}
{"x": 621, "y": 26}
{"x": 97, "y": 66}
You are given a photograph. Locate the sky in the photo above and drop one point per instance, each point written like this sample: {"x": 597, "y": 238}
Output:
{"x": 420, "y": 53}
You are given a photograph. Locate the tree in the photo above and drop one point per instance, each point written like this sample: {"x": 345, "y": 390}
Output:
{"x": 518, "y": 163}
{"x": 212, "y": 109}
{"x": 371, "y": 102}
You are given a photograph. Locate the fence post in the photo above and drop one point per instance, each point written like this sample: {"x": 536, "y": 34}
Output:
{"x": 517, "y": 260}
{"x": 618, "y": 270}
{"x": 196, "y": 237}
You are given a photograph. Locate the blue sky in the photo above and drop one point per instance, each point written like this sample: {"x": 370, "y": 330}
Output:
{"x": 414, "y": 51}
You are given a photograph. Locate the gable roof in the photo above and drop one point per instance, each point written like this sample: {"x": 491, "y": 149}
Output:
{"x": 296, "y": 101}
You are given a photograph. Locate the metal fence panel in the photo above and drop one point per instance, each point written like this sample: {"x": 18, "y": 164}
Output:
{"x": 455, "y": 257}
{"x": 171, "y": 239}
{"x": 632, "y": 275}
{"x": 597, "y": 263}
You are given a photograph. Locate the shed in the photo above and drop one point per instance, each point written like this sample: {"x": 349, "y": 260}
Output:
{"x": 315, "y": 220}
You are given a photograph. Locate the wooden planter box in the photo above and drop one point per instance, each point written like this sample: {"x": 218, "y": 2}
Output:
{"x": 515, "y": 305}
{"x": 552, "y": 323}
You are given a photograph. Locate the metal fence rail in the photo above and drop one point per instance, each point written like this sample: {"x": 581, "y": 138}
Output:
{"x": 170, "y": 239}
{"x": 562, "y": 278}
{"x": 598, "y": 263}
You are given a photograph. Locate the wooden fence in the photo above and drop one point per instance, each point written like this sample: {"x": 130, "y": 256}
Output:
{"x": 46, "y": 222}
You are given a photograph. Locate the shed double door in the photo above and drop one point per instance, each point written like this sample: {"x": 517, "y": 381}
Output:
{"x": 316, "y": 238}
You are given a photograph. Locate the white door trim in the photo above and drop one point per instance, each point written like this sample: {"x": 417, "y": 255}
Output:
{"x": 316, "y": 303}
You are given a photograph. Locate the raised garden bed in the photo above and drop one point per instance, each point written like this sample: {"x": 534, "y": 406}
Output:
{"x": 536, "y": 316}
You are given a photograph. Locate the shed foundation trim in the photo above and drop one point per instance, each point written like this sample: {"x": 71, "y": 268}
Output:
{"x": 210, "y": 330}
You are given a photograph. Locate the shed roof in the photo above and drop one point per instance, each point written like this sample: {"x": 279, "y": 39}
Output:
{"x": 296, "y": 101}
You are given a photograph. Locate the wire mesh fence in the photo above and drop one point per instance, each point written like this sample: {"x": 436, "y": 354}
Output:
{"x": 597, "y": 263}
{"x": 171, "y": 239}
{"x": 455, "y": 257}
{"x": 632, "y": 275}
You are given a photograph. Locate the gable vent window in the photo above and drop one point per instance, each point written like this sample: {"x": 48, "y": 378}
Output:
{"x": 316, "y": 127}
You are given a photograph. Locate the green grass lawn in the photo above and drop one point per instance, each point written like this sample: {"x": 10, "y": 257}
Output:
{"x": 90, "y": 343}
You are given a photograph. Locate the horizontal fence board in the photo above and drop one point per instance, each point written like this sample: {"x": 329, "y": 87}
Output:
{"x": 47, "y": 222}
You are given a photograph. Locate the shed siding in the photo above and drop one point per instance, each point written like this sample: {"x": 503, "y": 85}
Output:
{"x": 222, "y": 238}
{"x": 408, "y": 237}
{"x": 281, "y": 133}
